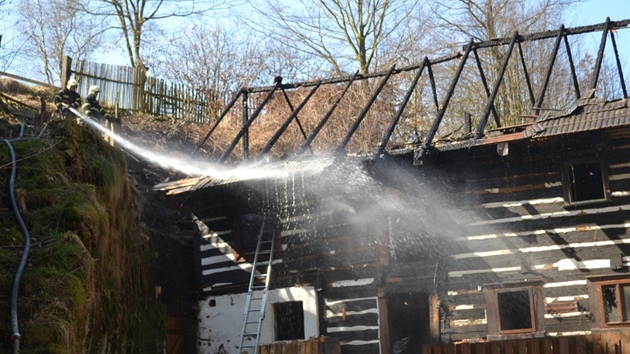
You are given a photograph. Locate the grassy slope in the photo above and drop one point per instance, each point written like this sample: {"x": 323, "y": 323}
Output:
{"x": 85, "y": 286}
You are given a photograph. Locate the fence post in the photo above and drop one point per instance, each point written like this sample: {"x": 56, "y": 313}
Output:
{"x": 245, "y": 119}
{"x": 66, "y": 70}
{"x": 139, "y": 78}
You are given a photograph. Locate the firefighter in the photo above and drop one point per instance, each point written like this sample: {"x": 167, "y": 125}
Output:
{"x": 66, "y": 98}
{"x": 93, "y": 109}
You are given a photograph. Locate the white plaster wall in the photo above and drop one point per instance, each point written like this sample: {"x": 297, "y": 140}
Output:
{"x": 222, "y": 324}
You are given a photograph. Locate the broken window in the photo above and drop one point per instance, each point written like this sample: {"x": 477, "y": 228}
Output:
{"x": 289, "y": 318}
{"x": 513, "y": 309}
{"x": 612, "y": 302}
{"x": 585, "y": 182}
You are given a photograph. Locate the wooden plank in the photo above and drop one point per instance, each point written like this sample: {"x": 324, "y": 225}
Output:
{"x": 464, "y": 348}
{"x": 547, "y": 346}
{"x": 263, "y": 349}
{"x": 310, "y": 347}
{"x": 534, "y": 346}
{"x": 580, "y": 344}
{"x": 611, "y": 341}
{"x": 520, "y": 346}
{"x": 564, "y": 345}
{"x": 434, "y": 315}
{"x": 479, "y": 348}
{"x": 509, "y": 347}
{"x": 597, "y": 343}
{"x": 451, "y": 349}
{"x": 625, "y": 342}
{"x": 301, "y": 348}
{"x": 427, "y": 349}
{"x": 383, "y": 312}
{"x": 495, "y": 349}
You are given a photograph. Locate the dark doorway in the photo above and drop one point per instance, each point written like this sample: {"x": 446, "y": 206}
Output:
{"x": 409, "y": 328}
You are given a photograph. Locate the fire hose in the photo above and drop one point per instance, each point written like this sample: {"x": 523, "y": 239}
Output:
{"x": 27, "y": 245}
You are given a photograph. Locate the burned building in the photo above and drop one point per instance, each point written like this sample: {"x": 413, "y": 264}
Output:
{"x": 503, "y": 233}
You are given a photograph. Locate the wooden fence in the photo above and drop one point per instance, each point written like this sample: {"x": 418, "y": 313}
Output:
{"x": 321, "y": 345}
{"x": 131, "y": 89}
{"x": 598, "y": 343}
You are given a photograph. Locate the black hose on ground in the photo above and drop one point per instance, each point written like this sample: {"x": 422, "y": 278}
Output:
{"x": 27, "y": 246}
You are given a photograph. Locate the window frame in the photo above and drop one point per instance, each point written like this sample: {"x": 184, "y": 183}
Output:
{"x": 567, "y": 184}
{"x": 275, "y": 306}
{"x": 536, "y": 310}
{"x": 596, "y": 300}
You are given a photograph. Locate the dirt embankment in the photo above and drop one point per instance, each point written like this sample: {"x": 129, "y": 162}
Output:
{"x": 103, "y": 242}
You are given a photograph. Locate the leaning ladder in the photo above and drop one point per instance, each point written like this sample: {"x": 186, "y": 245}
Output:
{"x": 254, "y": 312}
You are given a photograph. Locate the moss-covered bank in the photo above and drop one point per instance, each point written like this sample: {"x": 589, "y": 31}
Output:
{"x": 85, "y": 288}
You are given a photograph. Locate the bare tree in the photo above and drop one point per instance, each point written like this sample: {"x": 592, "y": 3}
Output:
{"x": 52, "y": 30}
{"x": 339, "y": 32}
{"x": 132, "y": 17}
{"x": 219, "y": 61}
{"x": 462, "y": 20}
{"x": 8, "y": 46}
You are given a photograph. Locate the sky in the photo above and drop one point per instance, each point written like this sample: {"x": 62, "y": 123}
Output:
{"x": 587, "y": 12}
{"x": 595, "y": 11}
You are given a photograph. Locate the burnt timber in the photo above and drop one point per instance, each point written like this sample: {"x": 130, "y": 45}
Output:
{"x": 448, "y": 239}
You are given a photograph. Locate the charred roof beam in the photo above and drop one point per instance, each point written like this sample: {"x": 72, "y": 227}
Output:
{"x": 307, "y": 144}
{"x": 619, "y": 69}
{"x": 527, "y": 79}
{"x": 576, "y": 85}
{"x": 438, "y": 119}
{"x": 249, "y": 122}
{"x": 286, "y": 123}
{"x": 286, "y": 97}
{"x": 485, "y": 86}
{"x": 490, "y": 104}
{"x": 216, "y": 123}
{"x": 394, "y": 122}
{"x": 600, "y": 55}
{"x": 433, "y": 86}
{"x": 366, "y": 109}
{"x": 552, "y": 60}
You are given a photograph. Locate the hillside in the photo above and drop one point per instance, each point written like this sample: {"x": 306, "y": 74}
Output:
{"x": 109, "y": 262}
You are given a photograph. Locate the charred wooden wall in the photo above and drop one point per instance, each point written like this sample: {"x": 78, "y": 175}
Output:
{"x": 503, "y": 220}
{"x": 321, "y": 243}
{"x": 527, "y": 232}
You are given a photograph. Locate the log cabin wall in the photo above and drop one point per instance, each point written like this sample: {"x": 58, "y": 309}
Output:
{"x": 534, "y": 239}
{"x": 534, "y": 229}
{"x": 323, "y": 244}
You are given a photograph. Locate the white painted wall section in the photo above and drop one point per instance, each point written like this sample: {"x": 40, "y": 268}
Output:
{"x": 222, "y": 324}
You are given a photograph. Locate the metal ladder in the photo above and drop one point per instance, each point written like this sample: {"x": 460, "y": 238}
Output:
{"x": 254, "y": 312}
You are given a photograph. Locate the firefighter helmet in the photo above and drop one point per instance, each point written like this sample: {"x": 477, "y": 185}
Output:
{"x": 71, "y": 83}
{"x": 94, "y": 89}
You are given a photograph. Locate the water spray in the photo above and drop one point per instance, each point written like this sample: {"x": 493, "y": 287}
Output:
{"x": 212, "y": 171}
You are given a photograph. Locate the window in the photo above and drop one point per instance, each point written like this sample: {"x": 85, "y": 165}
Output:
{"x": 289, "y": 318}
{"x": 610, "y": 301}
{"x": 585, "y": 183}
{"x": 514, "y": 309}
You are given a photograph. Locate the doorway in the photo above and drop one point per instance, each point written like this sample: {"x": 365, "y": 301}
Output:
{"x": 409, "y": 322}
